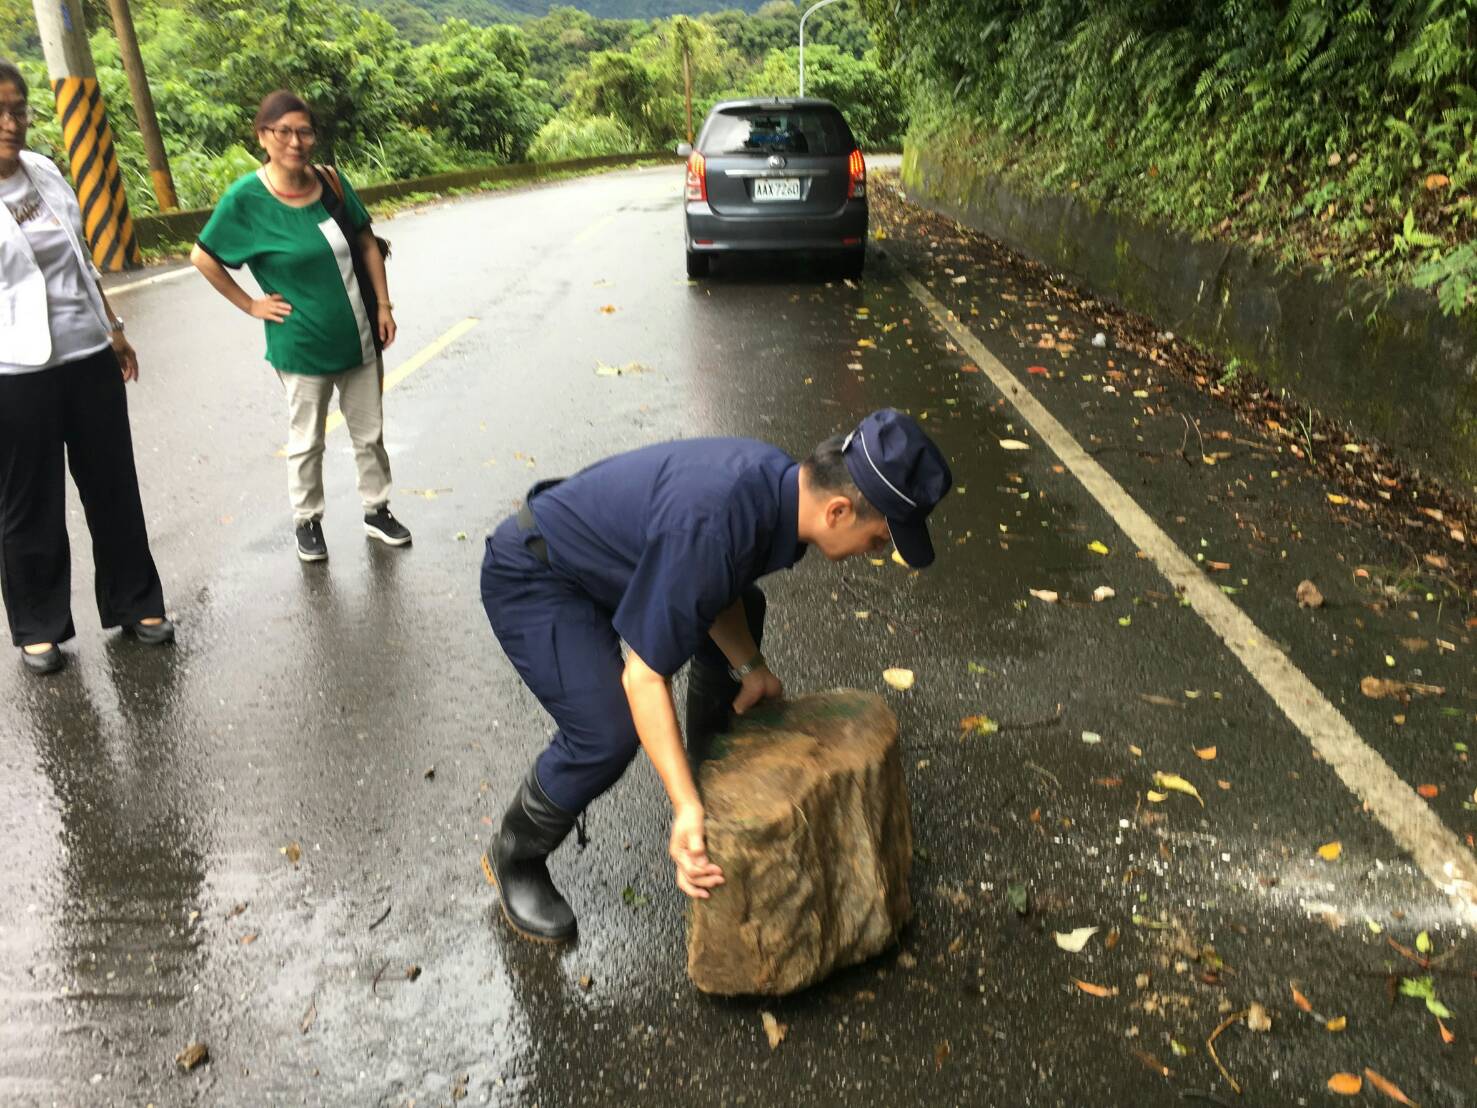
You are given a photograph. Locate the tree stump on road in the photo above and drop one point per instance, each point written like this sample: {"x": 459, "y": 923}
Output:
{"x": 807, "y": 814}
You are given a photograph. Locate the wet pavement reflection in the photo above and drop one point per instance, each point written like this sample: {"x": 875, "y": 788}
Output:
{"x": 267, "y": 838}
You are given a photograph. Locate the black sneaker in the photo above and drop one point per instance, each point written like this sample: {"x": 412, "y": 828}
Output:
{"x": 380, "y": 524}
{"x": 310, "y": 544}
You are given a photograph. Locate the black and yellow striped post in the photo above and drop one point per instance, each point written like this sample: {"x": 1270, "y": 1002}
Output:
{"x": 88, "y": 138}
{"x": 89, "y": 142}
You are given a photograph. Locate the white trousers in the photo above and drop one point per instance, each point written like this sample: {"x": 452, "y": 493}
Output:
{"x": 361, "y": 401}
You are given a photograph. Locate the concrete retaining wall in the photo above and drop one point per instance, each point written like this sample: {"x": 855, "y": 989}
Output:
{"x": 156, "y": 230}
{"x": 1388, "y": 363}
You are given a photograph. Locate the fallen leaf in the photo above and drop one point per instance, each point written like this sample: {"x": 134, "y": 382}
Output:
{"x": 293, "y": 851}
{"x": 193, "y": 1055}
{"x": 1446, "y": 1036}
{"x": 940, "y": 1053}
{"x": 1300, "y": 1000}
{"x": 1384, "y": 1086}
{"x": 1094, "y": 990}
{"x": 1161, "y": 701}
{"x": 866, "y": 343}
{"x": 1335, "y": 498}
{"x": 1257, "y": 1018}
{"x": 977, "y": 725}
{"x": 1205, "y": 753}
{"x": 1437, "y": 561}
{"x": 1045, "y": 595}
{"x": 1423, "y": 942}
{"x": 607, "y": 309}
{"x": 1378, "y": 688}
{"x": 1176, "y": 783}
{"x": 1346, "y": 1083}
{"x": 1013, "y": 444}
{"x": 1091, "y": 738}
{"x": 1436, "y": 181}
{"x": 1338, "y": 1023}
{"x": 1097, "y": 547}
{"x": 1217, "y": 567}
{"x": 1073, "y": 941}
{"x": 900, "y": 679}
{"x": 1018, "y": 898}
{"x": 773, "y": 1029}
{"x": 1308, "y": 595}
{"x": 1156, "y": 798}
{"x": 1101, "y": 593}
{"x": 1330, "y": 852}
{"x": 1038, "y": 371}
{"x": 899, "y": 560}
{"x": 630, "y": 368}
{"x": 1430, "y": 792}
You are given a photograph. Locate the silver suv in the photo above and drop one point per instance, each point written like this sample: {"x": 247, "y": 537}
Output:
{"x": 775, "y": 175}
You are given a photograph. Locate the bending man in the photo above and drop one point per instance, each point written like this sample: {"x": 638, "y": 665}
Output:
{"x": 661, "y": 547}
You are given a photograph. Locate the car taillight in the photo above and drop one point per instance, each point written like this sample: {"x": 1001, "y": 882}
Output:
{"x": 856, "y": 170}
{"x": 697, "y": 177}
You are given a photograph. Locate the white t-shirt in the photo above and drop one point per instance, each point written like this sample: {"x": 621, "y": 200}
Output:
{"x": 76, "y": 330}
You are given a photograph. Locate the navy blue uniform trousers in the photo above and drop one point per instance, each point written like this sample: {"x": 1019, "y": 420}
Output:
{"x": 564, "y": 647}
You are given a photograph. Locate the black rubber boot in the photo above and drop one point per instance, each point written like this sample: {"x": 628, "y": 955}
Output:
{"x": 710, "y": 696}
{"x": 532, "y": 828}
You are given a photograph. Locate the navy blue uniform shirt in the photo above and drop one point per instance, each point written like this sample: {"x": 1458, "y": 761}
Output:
{"x": 668, "y": 536}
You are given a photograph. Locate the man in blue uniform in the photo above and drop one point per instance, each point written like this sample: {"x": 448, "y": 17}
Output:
{"x": 661, "y": 548}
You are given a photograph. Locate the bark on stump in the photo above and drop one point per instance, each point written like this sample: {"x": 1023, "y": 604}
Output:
{"x": 807, "y": 814}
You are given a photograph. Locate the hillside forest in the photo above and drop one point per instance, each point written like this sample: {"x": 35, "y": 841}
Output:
{"x": 400, "y": 95}
{"x": 1332, "y": 133}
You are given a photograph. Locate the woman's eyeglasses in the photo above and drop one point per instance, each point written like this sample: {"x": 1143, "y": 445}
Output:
{"x": 20, "y": 115}
{"x": 305, "y": 135}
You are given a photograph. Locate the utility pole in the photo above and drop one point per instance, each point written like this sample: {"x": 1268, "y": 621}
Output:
{"x": 143, "y": 105}
{"x": 687, "y": 85}
{"x": 682, "y": 40}
{"x": 803, "y": 18}
{"x": 88, "y": 138}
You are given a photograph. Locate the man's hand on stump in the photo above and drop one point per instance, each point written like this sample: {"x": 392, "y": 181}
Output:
{"x": 759, "y": 684}
{"x": 695, "y": 874}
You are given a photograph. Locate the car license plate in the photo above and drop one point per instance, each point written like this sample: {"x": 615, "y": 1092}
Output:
{"x": 777, "y": 188}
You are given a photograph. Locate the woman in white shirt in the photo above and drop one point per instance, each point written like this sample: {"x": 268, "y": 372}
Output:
{"x": 63, "y": 363}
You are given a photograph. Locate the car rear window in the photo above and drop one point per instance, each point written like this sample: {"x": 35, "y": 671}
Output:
{"x": 777, "y": 131}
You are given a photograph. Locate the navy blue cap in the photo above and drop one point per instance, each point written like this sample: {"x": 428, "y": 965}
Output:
{"x": 903, "y": 474}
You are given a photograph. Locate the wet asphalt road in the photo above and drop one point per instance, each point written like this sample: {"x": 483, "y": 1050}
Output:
{"x": 360, "y": 712}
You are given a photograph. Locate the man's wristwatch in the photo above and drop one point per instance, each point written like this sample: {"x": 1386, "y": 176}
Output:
{"x": 747, "y": 668}
{"x": 117, "y": 325}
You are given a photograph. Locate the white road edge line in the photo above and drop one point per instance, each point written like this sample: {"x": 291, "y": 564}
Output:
{"x": 157, "y": 279}
{"x": 1435, "y": 848}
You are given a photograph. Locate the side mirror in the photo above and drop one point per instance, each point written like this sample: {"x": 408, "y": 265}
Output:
{"x": 684, "y": 149}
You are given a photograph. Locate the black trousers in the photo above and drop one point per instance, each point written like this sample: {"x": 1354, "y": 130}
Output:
{"x": 74, "y": 414}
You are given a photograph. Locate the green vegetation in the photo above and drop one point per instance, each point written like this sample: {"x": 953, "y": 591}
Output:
{"x": 417, "y": 87}
{"x": 1337, "y": 132}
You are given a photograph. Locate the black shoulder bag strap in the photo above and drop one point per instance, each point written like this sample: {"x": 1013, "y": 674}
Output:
{"x": 333, "y": 200}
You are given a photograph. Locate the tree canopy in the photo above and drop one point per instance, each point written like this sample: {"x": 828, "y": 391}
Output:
{"x": 406, "y": 88}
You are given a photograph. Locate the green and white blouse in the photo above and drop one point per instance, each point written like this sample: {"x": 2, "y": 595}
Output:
{"x": 301, "y": 254}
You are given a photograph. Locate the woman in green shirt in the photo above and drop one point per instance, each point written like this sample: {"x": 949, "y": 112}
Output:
{"x": 303, "y": 232}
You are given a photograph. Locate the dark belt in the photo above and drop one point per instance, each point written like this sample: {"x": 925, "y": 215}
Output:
{"x": 536, "y": 545}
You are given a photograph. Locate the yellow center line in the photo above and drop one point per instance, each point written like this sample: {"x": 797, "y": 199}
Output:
{"x": 593, "y": 229}
{"x": 410, "y": 365}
